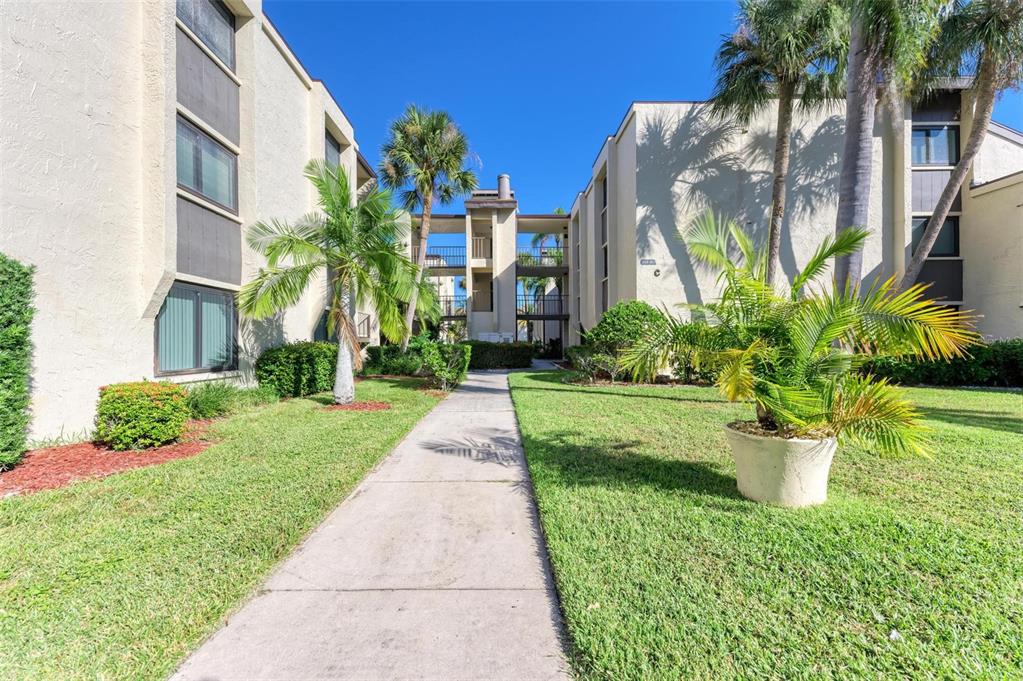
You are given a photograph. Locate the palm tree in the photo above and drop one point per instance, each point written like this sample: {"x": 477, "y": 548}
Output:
{"x": 424, "y": 158}
{"x": 791, "y": 50}
{"x": 358, "y": 245}
{"x": 887, "y": 45}
{"x": 986, "y": 35}
{"x": 796, "y": 356}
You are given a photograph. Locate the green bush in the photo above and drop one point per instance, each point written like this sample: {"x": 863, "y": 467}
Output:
{"x": 141, "y": 415}
{"x": 486, "y": 355}
{"x": 447, "y": 362}
{"x": 999, "y": 363}
{"x": 298, "y": 369}
{"x": 208, "y": 400}
{"x": 15, "y": 358}
{"x": 254, "y": 397}
{"x": 594, "y": 365}
{"x": 389, "y": 360}
{"x": 621, "y": 326}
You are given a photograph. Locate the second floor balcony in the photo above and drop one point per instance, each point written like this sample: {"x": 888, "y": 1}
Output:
{"x": 442, "y": 257}
{"x": 546, "y": 306}
{"x": 453, "y": 306}
{"x": 541, "y": 260}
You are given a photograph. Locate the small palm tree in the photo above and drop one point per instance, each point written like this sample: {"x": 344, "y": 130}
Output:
{"x": 424, "y": 158}
{"x": 987, "y": 36}
{"x": 358, "y": 246}
{"x": 791, "y": 51}
{"x": 796, "y": 356}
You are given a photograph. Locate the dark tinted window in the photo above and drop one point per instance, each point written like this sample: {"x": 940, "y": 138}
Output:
{"x": 947, "y": 243}
{"x": 213, "y": 23}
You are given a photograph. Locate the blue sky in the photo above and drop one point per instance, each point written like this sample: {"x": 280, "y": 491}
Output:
{"x": 536, "y": 86}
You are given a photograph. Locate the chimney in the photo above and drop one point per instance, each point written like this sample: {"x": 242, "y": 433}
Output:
{"x": 503, "y": 186}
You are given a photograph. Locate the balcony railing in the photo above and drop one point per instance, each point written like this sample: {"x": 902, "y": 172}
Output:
{"x": 441, "y": 256}
{"x": 549, "y": 305}
{"x": 482, "y": 247}
{"x": 543, "y": 256}
{"x": 452, "y": 306}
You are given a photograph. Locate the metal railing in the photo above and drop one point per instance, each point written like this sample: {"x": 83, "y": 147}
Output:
{"x": 482, "y": 247}
{"x": 546, "y": 305}
{"x": 452, "y": 306}
{"x": 542, "y": 256}
{"x": 441, "y": 256}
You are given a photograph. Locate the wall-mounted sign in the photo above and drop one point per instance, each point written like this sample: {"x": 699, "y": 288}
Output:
{"x": 647, "y": 261}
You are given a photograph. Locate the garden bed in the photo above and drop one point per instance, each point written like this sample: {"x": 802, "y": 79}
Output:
{"x": 359, "y": 406}
{"x": 54, "y": 467}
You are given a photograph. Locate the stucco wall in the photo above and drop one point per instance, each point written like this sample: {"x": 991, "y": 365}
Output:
{"x": 991, "y": 243}
{"x": 999, "y": 156}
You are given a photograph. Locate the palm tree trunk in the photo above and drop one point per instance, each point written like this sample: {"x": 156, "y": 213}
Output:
{"x": 344, "y": 374}
{"x": 981, "y": 120}
{"x": 424, "y": 234}
{"x": 782, "y": 145}
{"x": 857, "y": 153}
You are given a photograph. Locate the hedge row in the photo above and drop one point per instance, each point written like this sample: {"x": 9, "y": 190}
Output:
{"x": 15, "y": 358}
{"x": 486, "y": 355}
{"x": 298, "y": 369}
{"x": 999, "y": 363}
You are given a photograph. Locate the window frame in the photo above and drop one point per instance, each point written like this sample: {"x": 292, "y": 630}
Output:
{"x": 197, "y": 167}
{"x": 927, "y": 163}
{"x": 197, "y": 333}
{"x": 226, "y": 14}
{"x": 955, "y": 221}
{"x": 331, "y": 142}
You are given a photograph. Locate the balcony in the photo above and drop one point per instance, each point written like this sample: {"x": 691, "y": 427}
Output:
{"x": 452, "y": 306}
{"x": 544, "y": 260}
{"x": 442, "y": 257}
{"x": 550, "y": 306}
{"x": 482, "y": 248}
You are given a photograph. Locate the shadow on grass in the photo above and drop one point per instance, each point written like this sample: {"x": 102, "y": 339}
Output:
{"x": 617, "y": 464}
{"x": 556, "y": 383}
{"x": 991, "y": 420}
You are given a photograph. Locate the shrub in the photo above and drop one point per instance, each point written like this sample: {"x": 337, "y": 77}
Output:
{"x": 447, "y": 362}
{"x": 486, "y": 355}
{"x": 207, "y": 400}
{"x": 549, "y": 350}
{"x": 997, "y": 364}
{"x": 594, "y": 365}
{"x": 254, "y": 397}
{"x": 141, "y": 415}
{"x": 622, "y": 326}
{"x": 15, "y": 358}
{"x": 389, "y": 360}
{"x": 298, "y": 369}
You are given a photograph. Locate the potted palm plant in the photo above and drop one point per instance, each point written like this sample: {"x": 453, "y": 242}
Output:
{"x": 796, "y": 356}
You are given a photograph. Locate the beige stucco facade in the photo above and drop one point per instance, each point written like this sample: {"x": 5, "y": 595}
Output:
{"x": 668, "y": 162}
{"x": 89, "y": 192}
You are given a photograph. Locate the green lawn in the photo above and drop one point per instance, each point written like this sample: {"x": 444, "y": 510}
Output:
{"x": 119, "y": 578}
{"x": 914, "y": 567}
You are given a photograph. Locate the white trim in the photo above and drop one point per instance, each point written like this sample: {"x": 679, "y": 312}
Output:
{"x": 202, "y": 377}
{"x": 208, "y": 130}
{"x": 927, "y": 214}
{"x": 931, "y": 167}
{"x": 934, "y": 124}
{"x": 199, "y": 201}
{"x": 209, "y": 53}
{"x": 204, "y": 281}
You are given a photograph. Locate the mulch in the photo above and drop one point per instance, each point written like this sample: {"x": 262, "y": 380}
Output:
{"x": 54, "y": 467}
{"x": 359, "y": 406}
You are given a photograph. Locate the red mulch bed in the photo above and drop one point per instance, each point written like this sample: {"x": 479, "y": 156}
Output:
{"x": 359, "y": 406}
{"x": 55, "y": 467}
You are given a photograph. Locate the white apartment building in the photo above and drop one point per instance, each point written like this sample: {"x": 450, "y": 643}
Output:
{"x": 139, "y": 141}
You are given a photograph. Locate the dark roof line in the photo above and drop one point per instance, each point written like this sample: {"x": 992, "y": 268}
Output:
{"x": 365, "y": 164}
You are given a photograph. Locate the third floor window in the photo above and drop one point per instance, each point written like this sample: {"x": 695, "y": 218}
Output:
{"x": 938, "y": 145}
{"x": 213, "y": 23}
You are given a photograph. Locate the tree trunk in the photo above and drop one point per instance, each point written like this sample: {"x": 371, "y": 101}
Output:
{"x": 857, "y": 152}
{"x": 344, "y": 374}
{"x": 424, "y": 234}
{"x": 981, "y": 119}
{"x": 782, "y": 144}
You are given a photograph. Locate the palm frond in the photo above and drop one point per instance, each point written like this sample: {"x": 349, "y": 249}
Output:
{"x": 845, "y": 243}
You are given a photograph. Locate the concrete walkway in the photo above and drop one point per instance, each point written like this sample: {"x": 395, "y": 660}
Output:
{"x": 434, "y": 568}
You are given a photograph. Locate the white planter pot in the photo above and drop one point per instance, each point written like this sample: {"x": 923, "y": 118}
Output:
{"x": 775, "y": 470}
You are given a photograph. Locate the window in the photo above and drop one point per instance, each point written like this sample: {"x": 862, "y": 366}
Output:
{"x": 332, "y": 150}
{"x": 195, "y": 330}
{"x": 603, "y": 296}
{"x": 937, "y": 145}
{"x": 206, "y": 168}
{"x": 947, "y": 243}
{"x": 603, "y": 192}
{"x": 213, "y": 23}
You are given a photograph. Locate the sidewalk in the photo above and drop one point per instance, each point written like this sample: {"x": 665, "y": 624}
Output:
{"x": 434, "y": 568}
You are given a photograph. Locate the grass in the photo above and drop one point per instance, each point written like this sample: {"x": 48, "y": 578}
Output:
{"x": 914, "y": 567}
{"x": 120, "y": 578}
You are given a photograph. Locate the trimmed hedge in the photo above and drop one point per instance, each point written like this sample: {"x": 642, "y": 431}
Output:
{"x": 621, "y": 326}
{"x": 141, "y": 415}
{"x": 486, "y": 355}
{"x": 999, "y": 363}
{"x": 389, "y": 360}
{"x": 447, "y": 362}
{"x": 298, "y": 369}
{"x": 15, "y": 358}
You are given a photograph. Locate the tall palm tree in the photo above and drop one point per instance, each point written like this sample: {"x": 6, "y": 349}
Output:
{"x": 987, "y": 36}
{"x": 792, "y": 50}
{"x": 888, "y": 43}
{"x": 357, "y": 244}
{"x": 424, "y": 159}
